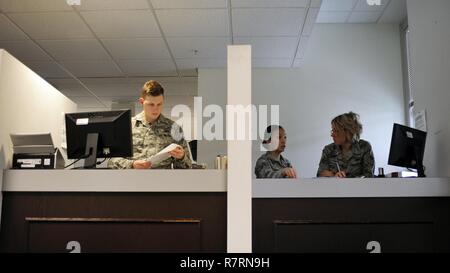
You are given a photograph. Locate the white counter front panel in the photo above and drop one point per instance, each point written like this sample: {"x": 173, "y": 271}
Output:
{"x": 344, "y": 188}
{"x": 114, "y": 181}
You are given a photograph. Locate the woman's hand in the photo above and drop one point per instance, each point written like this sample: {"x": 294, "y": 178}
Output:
{"x": 341, "y": 174}
{"x": 289, "y": 173}
{"x": 327, "y": 173}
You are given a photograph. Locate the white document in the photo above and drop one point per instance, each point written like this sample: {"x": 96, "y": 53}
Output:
{"x": 163, "y": 154}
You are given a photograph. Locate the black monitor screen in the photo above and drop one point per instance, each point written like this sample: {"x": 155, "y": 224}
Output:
{"x": 99, "y": 134}
{"x": 193, "y": 147}
{"x": 407, "y": 148}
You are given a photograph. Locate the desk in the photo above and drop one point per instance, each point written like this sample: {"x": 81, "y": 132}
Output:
{"x": 114, "y": 211}
{"x": 351, "y": 215}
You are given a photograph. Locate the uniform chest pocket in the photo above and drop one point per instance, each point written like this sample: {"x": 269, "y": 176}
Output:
{"x": 138, "y": 137}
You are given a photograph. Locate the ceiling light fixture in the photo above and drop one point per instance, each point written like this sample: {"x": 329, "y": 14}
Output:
{"x": 73, "y": 2}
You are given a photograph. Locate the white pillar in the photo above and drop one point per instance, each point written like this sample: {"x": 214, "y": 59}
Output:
{"x": 239, "y": 219}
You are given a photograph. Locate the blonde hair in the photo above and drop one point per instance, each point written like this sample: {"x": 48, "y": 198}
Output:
{"x": 152, "y": 88}
{"x": 349, "y": 122}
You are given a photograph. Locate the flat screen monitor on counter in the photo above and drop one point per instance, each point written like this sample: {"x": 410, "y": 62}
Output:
{"x": 407, "y": 148}
{"x": 92, "y": 135}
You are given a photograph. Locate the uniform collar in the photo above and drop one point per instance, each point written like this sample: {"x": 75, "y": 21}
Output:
{"x": 271, "y": 158}
{"x": 356, "y": 149}
{"x": 141, "y": 118}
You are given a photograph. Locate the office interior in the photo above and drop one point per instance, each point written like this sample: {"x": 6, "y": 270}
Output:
{"x": 316, "y": 59}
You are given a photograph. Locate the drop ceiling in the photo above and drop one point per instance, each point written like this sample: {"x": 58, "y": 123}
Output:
{"x": 132, "y": 40}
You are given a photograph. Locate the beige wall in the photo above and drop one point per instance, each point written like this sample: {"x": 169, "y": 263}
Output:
{"x": 429, "y": 40}
{"x": 28, "y": 104}
{"x": 347, "y": 67}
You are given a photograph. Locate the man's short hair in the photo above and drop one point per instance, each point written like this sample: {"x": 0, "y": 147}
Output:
{"x": 152, "y": 88}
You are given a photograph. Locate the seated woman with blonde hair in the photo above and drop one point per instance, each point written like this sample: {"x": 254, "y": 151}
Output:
{"x": 348, "y": 155}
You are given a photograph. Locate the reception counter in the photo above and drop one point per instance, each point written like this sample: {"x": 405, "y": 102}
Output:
{"x": 351, "y": 215}
{"x": 114, "y": 211}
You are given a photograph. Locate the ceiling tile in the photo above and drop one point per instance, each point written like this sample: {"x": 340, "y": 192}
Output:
{"x": 364, "y": 6}
{"x": 269, "y": 3}
{"x": 254, "y": 22}
{"x": 71, "y": 88}
{"x": 201, "y": 63}
{"x": 122, "y": 24}
{"x": 144, "y": 48}
{"x": 112, "y": 5}
{"x": 25, "y": 50}
{"x": 188, "y": 4}
{"x": 364, "y": 17}
{"x": 64, "y": 50}
{"x": 194, "y": 22}
{"x": 270, "y": 47}
{"x": 395, "y": 12}
{"x": 115, "y": 89}
{"x": 9, "y": 32}
{"x": 69, "y": 84}
{"x": 188, "y": 67}
{"x": 80, "y": 108}
{"x": 92, "y": 68}
{"x": 338, "y": 5}
{"x": 311, "y": 19}
{"x": 302, "y": 46}
{"x": 54, "y": 25}
{"x": 47, "y": 69}
{"x": 198, "y": 47}
{"x": 148, "y": 67}
{"x": 271, "y": 63}
{"x": 298, "y": 63}
{"x": 33, "y": 5}
{"x": 316, "y": 3}
{"x": 87, "y": 102}
{"x": 333, "y": 17}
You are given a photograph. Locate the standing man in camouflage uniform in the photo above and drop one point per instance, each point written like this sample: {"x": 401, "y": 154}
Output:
{"x": 152, "y": 132}
{"x": 348, "y": 156}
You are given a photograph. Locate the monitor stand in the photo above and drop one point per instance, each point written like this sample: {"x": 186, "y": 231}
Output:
{"x": 91, "y": 151}
{"x": 420, "y": 168}
{"x": 420, "y": 171}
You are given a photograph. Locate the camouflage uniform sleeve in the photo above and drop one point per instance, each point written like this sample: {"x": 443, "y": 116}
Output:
{"x": 324, "y": 160}
{"x": 120, "y": 163}
{"x": 186, "y": 162}
{"x": 368, "y": 163}
{"x": 264, "y": 170}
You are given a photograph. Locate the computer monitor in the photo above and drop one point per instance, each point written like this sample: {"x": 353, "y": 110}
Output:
{"x": 407, "y": 148}
{"x": 93, "y": 135}
{"x": 193, "y": 150}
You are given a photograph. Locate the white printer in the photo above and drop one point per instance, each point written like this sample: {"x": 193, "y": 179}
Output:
{"x": 35, "y": 151}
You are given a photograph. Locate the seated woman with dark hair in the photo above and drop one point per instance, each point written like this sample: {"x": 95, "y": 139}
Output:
{"x": 272, "y": 164}
{"x": 348, "y": 155}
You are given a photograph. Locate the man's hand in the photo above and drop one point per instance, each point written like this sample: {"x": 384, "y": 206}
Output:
{"x": 141, "y": 164}
{"x": 290, "y": 172}
{"x": 177, "y": 153}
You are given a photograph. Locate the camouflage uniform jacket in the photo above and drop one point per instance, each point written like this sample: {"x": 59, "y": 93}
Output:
{"x": 358, "y": 162}
{"x": 149, "y": 139}
{"x": 267, "y": 167}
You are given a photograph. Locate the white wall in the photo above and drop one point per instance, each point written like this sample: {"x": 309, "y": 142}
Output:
{"x": 429, "y": 24}
{"x": 28, "y": 104}
{"x": 125, "y": 93}
{"x": 212, "y": 88}
{"x": 347, "y": 67}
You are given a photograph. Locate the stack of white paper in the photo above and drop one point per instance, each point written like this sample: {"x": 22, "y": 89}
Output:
{"x": 163, "y": 154}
